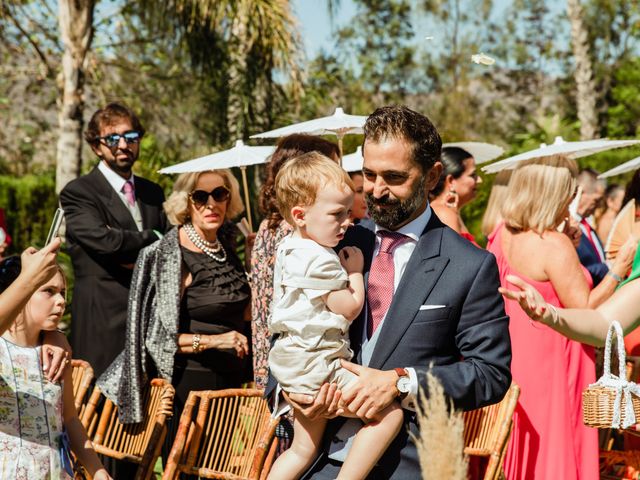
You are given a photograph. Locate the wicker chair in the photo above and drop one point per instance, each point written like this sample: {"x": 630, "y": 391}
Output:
{"x": 137, "y": 443}
{"x": 223, "y": 434}
{"x": 82, "y": 375}
{"x": 487, "y": 431}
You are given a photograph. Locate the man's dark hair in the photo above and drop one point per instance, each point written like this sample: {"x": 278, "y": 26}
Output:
{"x": 109, "y": 115}
{"x": 400, "y": 122}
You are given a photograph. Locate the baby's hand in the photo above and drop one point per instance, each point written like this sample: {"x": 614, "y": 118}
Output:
{"x": 351, "y": 259}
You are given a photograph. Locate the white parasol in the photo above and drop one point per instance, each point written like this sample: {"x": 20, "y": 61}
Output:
{"x": 240, "y": 155}
{"x": 623, "y": 168}
{"x": 481, "y": 152}
{"x": 353, "y": 161}
{"x": 559, "y": 146}
{"x": 338, "y": 124}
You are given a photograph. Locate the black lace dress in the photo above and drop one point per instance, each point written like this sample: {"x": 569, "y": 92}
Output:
{"x": 213, "y": 303}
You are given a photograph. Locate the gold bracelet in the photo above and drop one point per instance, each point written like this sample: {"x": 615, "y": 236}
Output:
{"x": 195, "y": 343}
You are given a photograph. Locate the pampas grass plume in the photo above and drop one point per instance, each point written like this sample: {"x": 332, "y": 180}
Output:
{"x": 441, "y": 443}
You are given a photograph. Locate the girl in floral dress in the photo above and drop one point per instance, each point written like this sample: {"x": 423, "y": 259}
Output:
{"x": 36, "y": 416}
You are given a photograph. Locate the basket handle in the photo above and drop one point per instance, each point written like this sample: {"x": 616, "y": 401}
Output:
{"x": 617, "y": 329}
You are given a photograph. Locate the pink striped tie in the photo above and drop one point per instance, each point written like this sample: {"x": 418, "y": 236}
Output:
{"x": 129, "y": 192}
{"x": 381, "y": 279}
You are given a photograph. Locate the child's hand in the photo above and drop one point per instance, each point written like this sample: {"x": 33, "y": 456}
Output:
{"x": 351, "y": 259}
{"x": 102, "y": 475}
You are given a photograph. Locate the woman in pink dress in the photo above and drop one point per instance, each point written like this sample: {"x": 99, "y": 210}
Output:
{"x": 549, "y": 440}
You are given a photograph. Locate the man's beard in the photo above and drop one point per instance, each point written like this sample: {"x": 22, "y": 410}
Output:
{"x": 397, "y": 212}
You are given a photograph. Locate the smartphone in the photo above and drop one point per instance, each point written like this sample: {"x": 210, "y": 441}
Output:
{"x": 55, "y": 225}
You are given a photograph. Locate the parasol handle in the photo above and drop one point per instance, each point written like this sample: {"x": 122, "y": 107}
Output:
{"x": 246, "y": 196}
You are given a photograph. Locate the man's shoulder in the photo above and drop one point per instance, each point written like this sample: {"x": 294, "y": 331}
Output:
{"x": 83, "y": 182}
{"x": 457, "y": 247}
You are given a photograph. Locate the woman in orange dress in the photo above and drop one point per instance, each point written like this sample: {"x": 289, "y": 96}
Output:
{"x": 549, "y": 440}
{"x": 457, "y": 187}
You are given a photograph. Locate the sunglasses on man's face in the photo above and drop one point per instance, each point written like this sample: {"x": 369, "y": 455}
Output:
{"x": 113, "y": 139}
{"x": 200, "y": 197}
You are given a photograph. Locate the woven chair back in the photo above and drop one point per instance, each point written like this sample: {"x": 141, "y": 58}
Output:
{"x": 138, "y": 443}
{"x": 487, "y": 431}
{"x": 222, "y": 434}
{"x": 82, "y": 376}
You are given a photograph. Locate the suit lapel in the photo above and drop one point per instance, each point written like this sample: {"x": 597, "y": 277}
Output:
{"x": 420, "y": 276}
{"x": 108, "y": 196}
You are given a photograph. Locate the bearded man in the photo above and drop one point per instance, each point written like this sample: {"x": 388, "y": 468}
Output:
{"x": 432, "y": 302}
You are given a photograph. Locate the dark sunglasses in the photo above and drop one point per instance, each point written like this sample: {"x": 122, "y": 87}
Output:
{"x": 200, "y": 197}
{"x": 113, "y": 139}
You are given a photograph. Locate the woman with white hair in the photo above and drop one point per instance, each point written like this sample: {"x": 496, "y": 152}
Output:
{"x": 189, "y": 299}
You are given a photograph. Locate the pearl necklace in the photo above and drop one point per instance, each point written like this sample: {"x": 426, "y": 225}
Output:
{"x": 208, "y": 248}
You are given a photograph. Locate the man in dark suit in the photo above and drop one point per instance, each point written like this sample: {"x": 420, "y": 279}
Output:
{"x": 590, "y": 250}
{"x": 111, "y": 215}
{"x": 432, "y": 302}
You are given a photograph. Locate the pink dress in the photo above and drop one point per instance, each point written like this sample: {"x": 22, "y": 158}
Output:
{"x": 549, "y": 440}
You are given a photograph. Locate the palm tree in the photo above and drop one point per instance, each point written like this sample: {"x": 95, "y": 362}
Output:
{"x": 583, "y": 74}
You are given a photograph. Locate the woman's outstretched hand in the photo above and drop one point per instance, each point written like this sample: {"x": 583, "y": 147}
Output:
{"x": 529, "y": 299}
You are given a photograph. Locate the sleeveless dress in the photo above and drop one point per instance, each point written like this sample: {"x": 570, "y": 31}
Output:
{"x": 549, "y": 440}
{"x": 31, "y": 421}
{"x": 311, "y": 338}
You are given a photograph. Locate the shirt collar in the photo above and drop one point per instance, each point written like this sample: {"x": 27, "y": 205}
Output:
{"x": 415, "y": 227}
{"x": 115, "y": 180}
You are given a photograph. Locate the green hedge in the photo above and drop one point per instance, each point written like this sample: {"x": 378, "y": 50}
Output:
{"x": 29, "y": 203}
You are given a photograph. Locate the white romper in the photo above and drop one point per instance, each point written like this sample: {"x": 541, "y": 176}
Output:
{"x": 312, "y": 339}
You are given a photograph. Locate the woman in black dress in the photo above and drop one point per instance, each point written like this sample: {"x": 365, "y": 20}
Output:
{"x": 188, "y": 308}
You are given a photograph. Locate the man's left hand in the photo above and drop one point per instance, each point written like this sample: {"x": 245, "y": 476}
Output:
{"x": 56, "y": 355}
{"x": 374, "y": 390}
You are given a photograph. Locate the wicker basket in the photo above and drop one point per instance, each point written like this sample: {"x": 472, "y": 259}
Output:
{"x": 612, "y": 401}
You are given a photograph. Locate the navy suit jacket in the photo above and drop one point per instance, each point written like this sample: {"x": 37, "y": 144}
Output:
{"x": 590, "y": 259}
{"x": 466, "y": 345}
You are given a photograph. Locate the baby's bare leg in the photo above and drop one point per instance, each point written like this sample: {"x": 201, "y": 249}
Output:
{"x": 307, "y": 438}
{"x": 371, "y": 442}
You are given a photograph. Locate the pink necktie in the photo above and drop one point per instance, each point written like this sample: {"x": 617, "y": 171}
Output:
{"x": 381, "y": 279}
{"x": 129, "y": 193}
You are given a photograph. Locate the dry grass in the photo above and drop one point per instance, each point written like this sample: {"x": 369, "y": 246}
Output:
{"x": 441, "y": 442}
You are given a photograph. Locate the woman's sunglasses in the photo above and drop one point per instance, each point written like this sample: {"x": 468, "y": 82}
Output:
{"x": 113, "y": 140}
{"x": 200, "y": 197}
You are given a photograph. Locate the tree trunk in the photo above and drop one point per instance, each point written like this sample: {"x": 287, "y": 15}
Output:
{"x": 75, "y": 19}
{"x": 583, "y": 75}
{"x": 239, "y": 48}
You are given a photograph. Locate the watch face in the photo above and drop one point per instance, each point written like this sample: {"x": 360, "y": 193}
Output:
{"x": 404, "y": 384}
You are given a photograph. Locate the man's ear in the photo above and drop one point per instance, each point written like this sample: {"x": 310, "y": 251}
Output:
{"x": 96, "y": 149}
{"x": 433, "y": 175}
{"x": 297, "y": 214}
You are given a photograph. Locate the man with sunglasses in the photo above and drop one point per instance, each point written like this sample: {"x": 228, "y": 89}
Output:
{"x": 111, "y": 214}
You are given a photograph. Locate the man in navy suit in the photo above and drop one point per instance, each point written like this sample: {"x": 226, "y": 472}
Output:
{"x": 590, "y": 249}
{"x": 432, "y": 302}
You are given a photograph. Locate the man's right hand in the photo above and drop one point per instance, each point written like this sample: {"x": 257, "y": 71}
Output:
{"x": 326, "y": 403}
{"x": 39, "y": 266}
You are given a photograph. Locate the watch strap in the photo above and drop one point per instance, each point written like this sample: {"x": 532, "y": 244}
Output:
{"x": 401, "y": 372}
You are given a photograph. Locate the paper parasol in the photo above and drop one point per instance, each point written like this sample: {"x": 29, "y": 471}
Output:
{"x": 240, "y": 155}
{"x": 481, "y": 152}
{"x": 623, "y": 168}
{"x": 570, "y": 149}
{"x": 339, "y": 124}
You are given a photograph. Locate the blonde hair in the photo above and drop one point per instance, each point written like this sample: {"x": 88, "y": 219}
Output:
{"x": 497, "y": 197}
{"x": 539, "y": 190}
{"x": 300, "y": 179}
{"x": 177, "y": 205}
